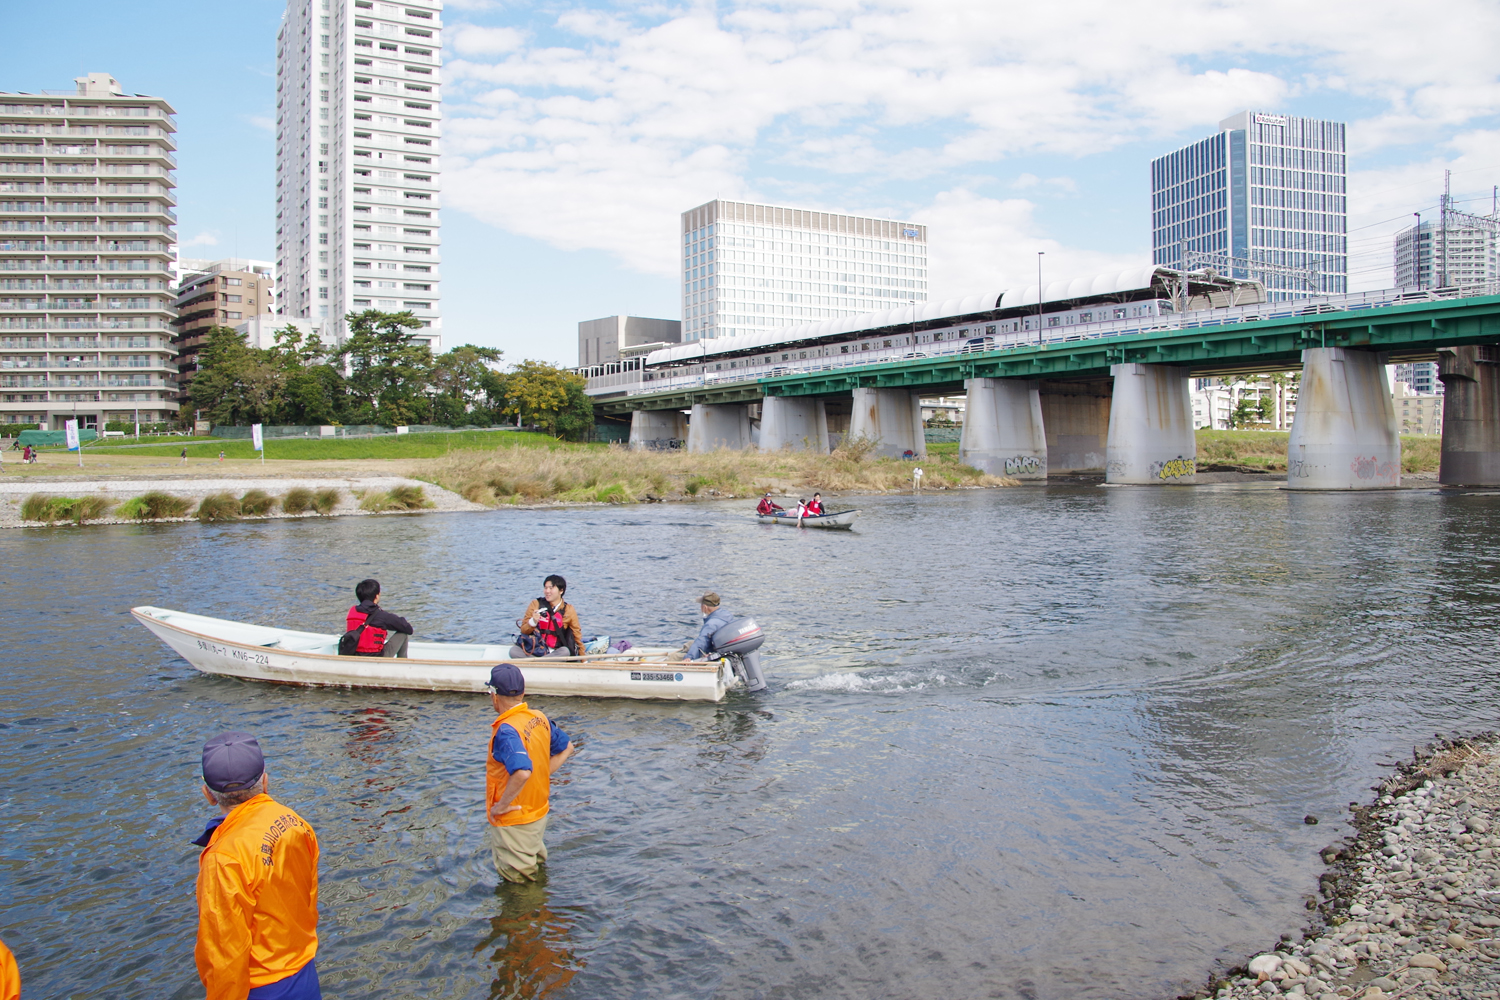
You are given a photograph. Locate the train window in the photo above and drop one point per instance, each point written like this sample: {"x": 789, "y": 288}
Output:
{"x": 887, "y": 343}
{"x": 864, "y": 347}
{"x": 1087, "y": 317}
{"x": 785, "y": 357}
{"x": 1121, "y": 313}
{"x": 1052, "y": 320}
{"x": 990, "y": 330}
{"x": 844, "y": 349}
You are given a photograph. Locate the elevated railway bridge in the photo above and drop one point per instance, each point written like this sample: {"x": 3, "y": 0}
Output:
{"x": 1113, "y": 397}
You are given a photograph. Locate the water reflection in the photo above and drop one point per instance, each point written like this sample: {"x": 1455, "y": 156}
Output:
{"x": 530, "y": 944}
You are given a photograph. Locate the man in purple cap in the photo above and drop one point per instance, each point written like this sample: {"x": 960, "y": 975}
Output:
{"x": 257, "y": 883}
{"x": 525, "y": 749}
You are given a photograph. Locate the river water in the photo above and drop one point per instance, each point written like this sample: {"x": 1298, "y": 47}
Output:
{"x": 1043, "y": 742}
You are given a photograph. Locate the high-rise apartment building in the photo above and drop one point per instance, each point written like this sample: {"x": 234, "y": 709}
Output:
{"x": 358, "y": 143}
{"x": 1460, "y": 253}
{"x": 748, "y": 268}
{"x": 1266, "y": 198}
{"x": 86, "y": 248}
{"x": 214, "y": 293}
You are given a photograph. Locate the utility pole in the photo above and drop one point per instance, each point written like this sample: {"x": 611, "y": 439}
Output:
{"x": 1416, "y": 250}
{"x": 1039, "y": 255}
{"x": 1447, "y": 190}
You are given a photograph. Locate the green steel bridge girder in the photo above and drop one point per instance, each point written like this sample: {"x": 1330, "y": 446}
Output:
{"x": 1410, "y": 332}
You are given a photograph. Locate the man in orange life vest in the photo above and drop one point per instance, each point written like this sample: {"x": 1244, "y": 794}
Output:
{"x": 524, "y": 751}
{"x": 257, "y": 884}
{"x": 10, "y": 975}
{"x": 374, "y": 641}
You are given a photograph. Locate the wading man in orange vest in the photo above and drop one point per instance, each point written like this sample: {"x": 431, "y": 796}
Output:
{"x": 257, "y": 884}
{"x": 524, "y": 751}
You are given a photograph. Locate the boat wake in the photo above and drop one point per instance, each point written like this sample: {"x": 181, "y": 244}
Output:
{"x": 897, "y": 681}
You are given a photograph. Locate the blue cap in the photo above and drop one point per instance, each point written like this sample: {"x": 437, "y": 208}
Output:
{"x": 506, "y": 679}
{"x": 232, "y": 762}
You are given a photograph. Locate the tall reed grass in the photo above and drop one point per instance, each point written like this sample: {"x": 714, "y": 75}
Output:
{"x": 618, "y": 475}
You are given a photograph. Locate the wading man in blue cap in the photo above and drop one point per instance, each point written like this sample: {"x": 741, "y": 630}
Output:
{"x": 524, "y": 751}
{"x": 257, "y": 883}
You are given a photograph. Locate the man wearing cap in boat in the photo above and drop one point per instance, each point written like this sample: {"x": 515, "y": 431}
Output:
{"x": 524, "y": 751}
{"x": 257, "y": 883}
{"x": 714, "y": 618}
{"x": 767, "y": 505}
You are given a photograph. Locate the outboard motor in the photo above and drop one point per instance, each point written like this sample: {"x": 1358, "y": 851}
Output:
{"x": 740, "y": 642}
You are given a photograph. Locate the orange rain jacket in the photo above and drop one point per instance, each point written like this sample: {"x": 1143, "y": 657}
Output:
{"x": 536, "y": 735}
{"x": 10, "y": 975}
{"x": 257, "y": 899}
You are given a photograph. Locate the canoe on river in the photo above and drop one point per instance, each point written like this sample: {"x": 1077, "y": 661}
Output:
{"x": 283, "y": 656}
{"x": 834, "y": 519}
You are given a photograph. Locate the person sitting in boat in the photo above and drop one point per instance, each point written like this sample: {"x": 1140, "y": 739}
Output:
{"x": 714, "y": 618}
{"x": 767, "y": 505}
{"x": 550, "y": 625}
{"x": 815, "y": 505}
{"x": 385, "y": 634}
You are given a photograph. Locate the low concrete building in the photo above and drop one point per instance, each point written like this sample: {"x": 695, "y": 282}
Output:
{"x": 1417, "y": 413}
{"x": 609, "y": 340}
{"x": 260, "y": 331}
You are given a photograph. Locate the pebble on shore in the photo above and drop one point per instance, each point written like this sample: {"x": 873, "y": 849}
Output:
{"x": 1411, "y": 904}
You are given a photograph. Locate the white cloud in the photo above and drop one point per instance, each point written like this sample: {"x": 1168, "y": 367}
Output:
{"x": 472, "y": 40}
{"x": 599, "y": 131}
{"x": 266, "y": 123}
{"x": 206, "y": 238}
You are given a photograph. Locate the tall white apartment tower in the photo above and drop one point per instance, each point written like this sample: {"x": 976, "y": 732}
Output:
{"x": 358, "y": 136}
{"x": 748, "y": 268}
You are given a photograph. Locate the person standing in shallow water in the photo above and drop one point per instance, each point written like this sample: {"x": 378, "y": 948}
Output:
{"x": 525, "y": 750}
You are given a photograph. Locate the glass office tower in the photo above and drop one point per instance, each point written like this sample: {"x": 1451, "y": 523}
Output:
{"x": 1265, "y": 198}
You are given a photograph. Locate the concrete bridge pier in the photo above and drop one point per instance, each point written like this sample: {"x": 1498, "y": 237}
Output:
{"x": 1344, "y": 436}
{"x": 1151, "y": 439}
{"x": 1003, "y": 433}
{"x": 1471, "y": 415}
{"x": 892, "y": 418}
{"x": 656, "y": 429}
{"x": 718, "y": 425}
{"x": 1075, "y": 416}
{"x": 796, "y": 422}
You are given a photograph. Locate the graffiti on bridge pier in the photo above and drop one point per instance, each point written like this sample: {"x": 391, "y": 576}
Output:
{"x": 1175, "y": 468}
{"x": 1021, "y": 464}
{"x": 1374, "y": 468}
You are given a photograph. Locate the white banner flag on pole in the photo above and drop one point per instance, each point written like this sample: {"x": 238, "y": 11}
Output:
{"x": 255, "y": 437}
{"x": 70, "y": 429}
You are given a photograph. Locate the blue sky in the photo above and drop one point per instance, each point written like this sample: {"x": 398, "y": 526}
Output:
{"x": 577, "y": 132}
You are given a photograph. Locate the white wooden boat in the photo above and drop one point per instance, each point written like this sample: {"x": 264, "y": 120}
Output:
{"x": 834, "y": 519}
{"x": 284, "y": 656}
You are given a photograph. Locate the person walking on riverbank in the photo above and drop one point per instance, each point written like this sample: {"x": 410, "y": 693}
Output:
{"x": 525, "y": 750}
{"x": 184, "y": 455}
{"x": 257, "y": 883}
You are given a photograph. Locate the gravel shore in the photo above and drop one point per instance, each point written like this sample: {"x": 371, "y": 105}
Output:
{"x": 1410, "y": 906}
{"x": 14, "y": 493}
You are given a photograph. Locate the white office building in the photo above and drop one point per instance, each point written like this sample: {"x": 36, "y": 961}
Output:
{"x": 750, "y": 268}
{"x": 358, "y": 137}
{"x": 86, "y": 248}
{"x": 1265, "y": 198}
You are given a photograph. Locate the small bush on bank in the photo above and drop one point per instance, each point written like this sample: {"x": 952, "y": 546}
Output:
{"x": 154, "y": 505}
{"x": 325, "y": 500}
{"x": 51, "y": 509}
{"x": 399, "y": 498}
{"x": 257, "y": 503}
{"x": 298, "y": 500}
{"x": 218, "y": 507}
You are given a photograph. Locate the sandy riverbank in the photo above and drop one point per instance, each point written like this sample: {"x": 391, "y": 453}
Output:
{"x": 1410, "y": 905}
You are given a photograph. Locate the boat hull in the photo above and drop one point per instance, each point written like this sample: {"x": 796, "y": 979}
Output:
{"x": 283, "y": 656}
{"x": 838, "y": 519}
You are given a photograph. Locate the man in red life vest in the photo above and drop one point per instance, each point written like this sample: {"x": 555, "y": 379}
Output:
{"x": 766, "y": 505}
{"x": 257, "y": 884}
{"x": 524, "y": 751}
{"x": 374, "y": 641}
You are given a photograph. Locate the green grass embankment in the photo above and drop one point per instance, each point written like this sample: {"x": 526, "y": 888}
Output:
{"x": 1267, "y": 450}
{"x": 431, "y": 445}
